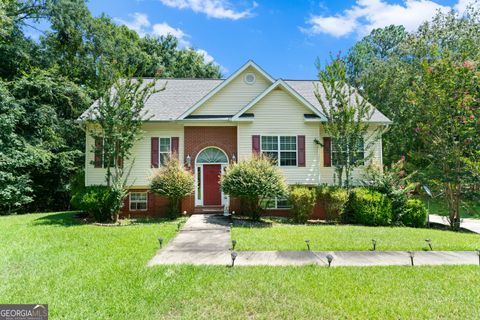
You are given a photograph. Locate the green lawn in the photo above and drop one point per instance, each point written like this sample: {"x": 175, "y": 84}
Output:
{"x": 286, "y": 237}
{"x": 469, "y": 209}
{"x": 91, "y": 272}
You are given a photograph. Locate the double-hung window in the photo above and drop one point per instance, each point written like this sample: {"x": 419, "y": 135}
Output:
{"x": 276, "y": 203}
{"x": 339, "y": 157}
{"x": 138, "y": 201}
{"x": 281, "y": 149}
{"x": 165, "y": 150}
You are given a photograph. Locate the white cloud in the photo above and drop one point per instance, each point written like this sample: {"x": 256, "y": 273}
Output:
{"x": 220, "y": 9}
{"x": 367, "y": 15}
{"x": 141, "y": 24}
{"x": 163, "y": 29}
{"x": 138, "y": 23}
{"x": 206, "y": 57}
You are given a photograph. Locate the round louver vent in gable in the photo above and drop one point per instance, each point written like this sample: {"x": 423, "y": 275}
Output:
{"x": 249, "y": 78}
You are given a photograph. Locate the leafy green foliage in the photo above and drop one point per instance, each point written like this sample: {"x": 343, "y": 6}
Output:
{"x": 394, "y": 182}
{"x": 302, "y": 199}
{"x": 100, "y": 202}
{"x": 15, "y": 183}
{"x": 414, "y": 214}
{"x": 333, "y": 200}
{"x": 447, "y": 96}
{"x": 346, "y": 125}
{"x": 253, "y": 181}
{"x": 370, "y": 208}
{"x": 427, "y": 83}
{"x": 174, "y": 182}
{"x": 47, "y": 84}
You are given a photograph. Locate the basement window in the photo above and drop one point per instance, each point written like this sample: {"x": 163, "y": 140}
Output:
{"x": 138, "y": 201}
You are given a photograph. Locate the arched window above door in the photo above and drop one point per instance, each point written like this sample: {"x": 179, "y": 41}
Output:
{"x": 212, "y": 155}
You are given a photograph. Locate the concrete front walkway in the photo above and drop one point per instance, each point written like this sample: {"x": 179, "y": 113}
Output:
{"x": 467, "y": 223}
{"x": 205, "y": 240}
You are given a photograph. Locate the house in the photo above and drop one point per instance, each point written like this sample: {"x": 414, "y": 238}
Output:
{"x": 210, "y": 123}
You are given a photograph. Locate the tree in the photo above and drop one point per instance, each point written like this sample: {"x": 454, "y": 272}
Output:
{"x": 447, "y": 97}
{"x": 117, "y": 118}
{"x": 347, "y": 114}
{"x": 49, "y": 105}
{"x": 15, "y": 183}
{"x": 174, "y": 182}
{"x": 253, "y": 181}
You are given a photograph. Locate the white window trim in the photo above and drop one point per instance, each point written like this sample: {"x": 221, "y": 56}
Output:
{"x": 279, "y": 150}
{"x": 164, "y": 152}
{"x": 275, "y": 207}
{"x": 136, "y": 201}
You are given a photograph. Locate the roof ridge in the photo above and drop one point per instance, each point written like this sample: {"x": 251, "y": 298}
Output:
{"x": 149, "y": 78}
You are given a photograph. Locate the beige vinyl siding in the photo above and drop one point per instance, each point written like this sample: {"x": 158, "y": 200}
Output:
{"x": 279, "y": 113}
{"x": 141, "y": 170}
{"x": 236, "y": 95}
{"x": 327, "y": 173}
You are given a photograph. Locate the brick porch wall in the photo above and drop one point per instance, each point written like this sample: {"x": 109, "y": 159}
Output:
{"x": 198, "y": 138}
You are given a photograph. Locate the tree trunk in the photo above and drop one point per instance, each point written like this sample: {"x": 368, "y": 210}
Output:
{"x": 452, "y": 193}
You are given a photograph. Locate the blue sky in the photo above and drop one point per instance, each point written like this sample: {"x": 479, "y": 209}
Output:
{"x": 284, "y": 37}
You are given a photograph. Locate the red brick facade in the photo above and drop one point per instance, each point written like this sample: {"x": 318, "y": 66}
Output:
{"x": 198, "y": 138}
{"x": 157, "y": 206}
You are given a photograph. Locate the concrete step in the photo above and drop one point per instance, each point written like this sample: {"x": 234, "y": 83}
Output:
{"x": 208, "y": 209}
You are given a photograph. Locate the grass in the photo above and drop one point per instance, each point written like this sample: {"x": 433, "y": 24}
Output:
{"x": 92, "y": 272}
{"x": 286, "y": 237}
{"x": 469, "y": 209}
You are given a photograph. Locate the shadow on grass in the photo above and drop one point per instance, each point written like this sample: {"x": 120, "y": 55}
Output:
{"x": 76, "y": 218}
{"x": 66, "y": 219}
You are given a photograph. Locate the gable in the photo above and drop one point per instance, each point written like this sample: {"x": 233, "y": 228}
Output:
{"x": 235, "y": 95}
{"x": 279, "y": 107}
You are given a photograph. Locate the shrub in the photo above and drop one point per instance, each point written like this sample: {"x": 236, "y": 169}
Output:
{"x": 302, "y": 200}
{"x": 370, "y": 208}
{"x": 333, "y": 200}
{"x": 392, "y": 181}
{"x": 414, "y": 213}
{"x": 252, "y": 181}
{"x": 175, "y": 183}
{"x": 101, "y": 202}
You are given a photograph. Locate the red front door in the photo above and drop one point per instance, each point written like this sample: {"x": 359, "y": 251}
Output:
{"x": 211, "y": 184}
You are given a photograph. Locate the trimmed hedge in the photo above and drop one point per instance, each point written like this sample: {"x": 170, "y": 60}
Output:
{"x": 302, "y": 200}
{"x": 334, "y": 201}
{"x": 100, "y": 202}
{"x": 414, "y": 213}
{"x": 370, "y": 208}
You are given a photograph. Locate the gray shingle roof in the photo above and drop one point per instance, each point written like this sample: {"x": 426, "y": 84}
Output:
{"x": 306, "y": 88}
{"x": 178, "y": 96}
{"x": 181, "y": 94}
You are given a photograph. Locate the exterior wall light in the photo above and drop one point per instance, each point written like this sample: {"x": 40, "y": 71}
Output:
{"x": 308, "y": 244}
{"x": 160, "y": 240}
{"x": 234, "y": 158}
{"x": 188, "y": 161}
{"x": 329, "y": 259}
{"x": 411, "y": 254}
{"x": 429, "y": 242}
{"x": 374, "y": 244}
{"x": 234, "y": 256}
